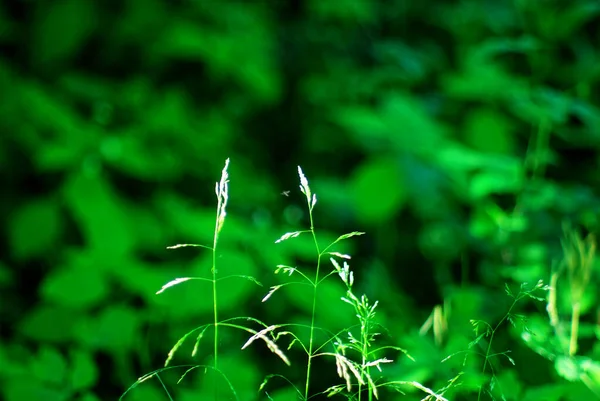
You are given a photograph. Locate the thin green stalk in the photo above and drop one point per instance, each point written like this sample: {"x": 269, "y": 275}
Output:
{"x": 310, "y": 344}
{"x": 364, "y": 352}
{"x": 493, "y": 333}
{"x": 222, "y": 192}
{"x": 214, "y": 293}
{"x": 214, "y": 290}
{"x": 265, "y": 334}
{"x": 314, "y": 305}
{"x": 574, "y": 328}
{"x": 348, "y": 370}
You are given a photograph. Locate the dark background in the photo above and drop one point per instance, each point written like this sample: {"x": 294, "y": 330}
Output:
{"x": 461, "y": 136}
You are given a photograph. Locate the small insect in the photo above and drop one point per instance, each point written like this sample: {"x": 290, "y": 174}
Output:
{"x": 285, "y": 193}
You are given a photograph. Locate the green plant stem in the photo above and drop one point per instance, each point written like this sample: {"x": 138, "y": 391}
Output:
{"x": 489, "y": 347}
{"x": 214, "y": 291}
{"x": 216, "y": 317}
{"x": 314, "y": 305}
{"x": 364, "y": 352}
{"x": 574, "y": 328}
{"x": 310, "y": 344}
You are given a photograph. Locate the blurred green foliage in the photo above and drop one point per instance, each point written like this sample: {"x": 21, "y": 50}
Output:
{"x": 459, "y": 135}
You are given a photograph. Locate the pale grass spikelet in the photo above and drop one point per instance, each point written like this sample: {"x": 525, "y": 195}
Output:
{"x": 348, "y": 235}
{"x": 372, "y": 310}
{"x": 340, "y": 255}
{"x": 345, "y": 274}
{"x": 273, "y": 289}
{"x": 183, "y": 246}
{"x": 432, "y": 395}
{"x": 372, "y": 386}
{"x": 352, "y": 301}
{"x": 352, "y": 339}
{"x": 365, "y": 308}
{"x": 378, "y": 362}
{"x": 342, "y": 371}
{"x": 344, "y": 365}
{"x": 173, "y": 283}
{"x": 147, "y": 376}
{"x": 340, "y": 347}
{"x": 286, "y": 269}
{"x": 287, "y": 236}
{"x": 197, "y": 343}
{"x": 334, "y": 390}
{"x": 222, "y": 191}
{"x": 179, "y": 343}
{"x": 270, "y": 343}
{"x": 304, "y": 185}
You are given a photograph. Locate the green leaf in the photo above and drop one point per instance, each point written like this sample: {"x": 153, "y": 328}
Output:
{"x": 222, "y": 49}
{"x": 35, "y": 228}
{"x": 181, "y": 212}
{"x": 353, "y": 11}
{"x": 61, "y": 28}
{"x": 549, "y": 392}
{"x": 49, "y": 366}
{"x": 117, "y": 329}
{"x": 495, "y": 182}
{"x": 50, "y": 324}
{"x": 542, "y": 104}
{"x": 400, "y": 123}
{"x": 378, "y": 190}
{"x": 489, "y": 131}
{"x": 77, "y": 287}
{"x": 412, "y": 128}
{"x": 365, "y": 122}
{"x": 83, "y": 370}
{"x": 482, "y": 80}
{"x": 88, "y": 396}
{"x": 99, "y": 213}
{"x": 19, "y": 389}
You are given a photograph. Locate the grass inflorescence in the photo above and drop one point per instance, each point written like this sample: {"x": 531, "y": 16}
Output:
{"x": 354, "y": 352}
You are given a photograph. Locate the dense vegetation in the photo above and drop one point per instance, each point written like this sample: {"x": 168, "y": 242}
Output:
{"x": 461, "y": 137}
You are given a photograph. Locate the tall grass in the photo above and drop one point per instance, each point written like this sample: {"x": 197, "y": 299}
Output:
{"x": 357, "y": 355}
{"x": 485, "y": 332}
{"x": 354, "y": 351}
{"x": 222, "y": 193}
